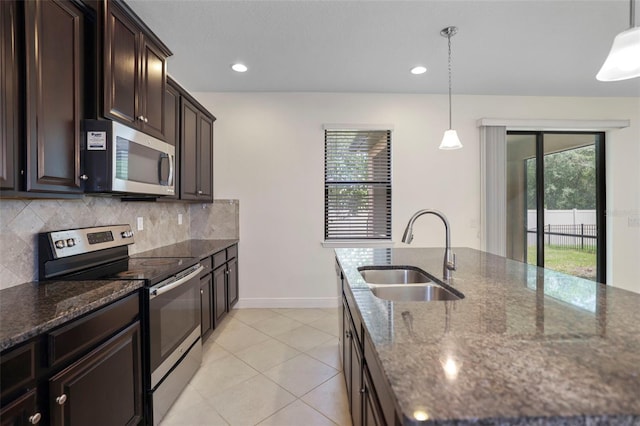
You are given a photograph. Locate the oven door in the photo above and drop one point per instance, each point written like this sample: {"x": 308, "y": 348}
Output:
{"x": 174, "y": 320}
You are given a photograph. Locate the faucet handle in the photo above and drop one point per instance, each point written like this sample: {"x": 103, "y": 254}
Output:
{"x": 452, "y": 265}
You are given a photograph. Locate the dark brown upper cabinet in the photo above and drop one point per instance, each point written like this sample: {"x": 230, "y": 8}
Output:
{"x": 135, "y": 69}
{"x": 9, "y": 94}
{"x": 54, "y": 46}
{"x": 196, "y": 152}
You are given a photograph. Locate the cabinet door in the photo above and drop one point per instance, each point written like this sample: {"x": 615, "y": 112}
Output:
{"x": 371, "y": 411}
{"x": 54, "y": 49}
{"x": 232, "y": 282}
{"x": 9, "y": 98}
{"x": 205, "y": 158}
{"x": 153, "y": 87}
{"x": 219, "y": 294}
{"x": 172, "y": 129}
{"x": 102, "y": 388}
{"x": 189, "y": 151}
{"x": 345, "y": 345}
{"x": 22, "y": 411}
{"x": 205, "y": 306}
{"x": 356, "y": 380}
{"x": 121, "y": 66}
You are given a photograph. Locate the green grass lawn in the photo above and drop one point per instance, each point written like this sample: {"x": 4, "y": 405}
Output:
{"x": 572, "y": 262}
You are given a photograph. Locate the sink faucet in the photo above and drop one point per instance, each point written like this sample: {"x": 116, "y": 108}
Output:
{"x": 449, "y": 263}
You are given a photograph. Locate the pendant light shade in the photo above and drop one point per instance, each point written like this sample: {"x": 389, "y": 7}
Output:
{"x": 623, "y": 61}
{"x": 450, "y": 139}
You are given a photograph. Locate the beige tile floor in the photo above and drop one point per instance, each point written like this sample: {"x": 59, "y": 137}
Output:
{"x": 268, "y": 367}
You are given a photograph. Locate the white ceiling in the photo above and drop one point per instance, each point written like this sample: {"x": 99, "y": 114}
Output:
{"x": 514, "y": 47}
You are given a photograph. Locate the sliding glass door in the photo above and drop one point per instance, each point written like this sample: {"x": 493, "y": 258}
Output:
{"x": 556, "y": 201}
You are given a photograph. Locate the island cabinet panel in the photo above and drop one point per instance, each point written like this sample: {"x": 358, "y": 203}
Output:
{"x": 370, "y": 401}
{"x": 135, "y": 72}
{"x": 232, "y": 282}
{"x": 54, "y": 41}
{"x": 102, "y": 388}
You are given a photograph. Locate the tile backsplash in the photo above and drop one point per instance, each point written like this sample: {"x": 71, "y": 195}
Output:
{"x": 22, "y": 220}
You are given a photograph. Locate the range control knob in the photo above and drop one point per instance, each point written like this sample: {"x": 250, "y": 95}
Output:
{"x": 60, "y": 244}
{"x": 71, "y": 242}
{"x": 127, "y": 234}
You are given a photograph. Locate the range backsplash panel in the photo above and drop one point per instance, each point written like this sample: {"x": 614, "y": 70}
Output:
{"x": 22, "y": 220}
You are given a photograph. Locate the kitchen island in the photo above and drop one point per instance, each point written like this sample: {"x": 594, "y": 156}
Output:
{"x": 525, "y": 345}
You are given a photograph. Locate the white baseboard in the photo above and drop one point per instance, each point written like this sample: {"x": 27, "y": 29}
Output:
{"x": 286, "y": 302}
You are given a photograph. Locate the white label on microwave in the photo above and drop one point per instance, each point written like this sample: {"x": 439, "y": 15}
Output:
{"x": 96, "y": 141}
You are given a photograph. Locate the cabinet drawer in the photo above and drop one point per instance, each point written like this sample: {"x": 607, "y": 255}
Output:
{"x": 81, "y": 335}
{"x": 232, "y": 252}
{"x": 219, "y": 259}
{"x": 18, "y": 368}
{"x": 207, "y": 265}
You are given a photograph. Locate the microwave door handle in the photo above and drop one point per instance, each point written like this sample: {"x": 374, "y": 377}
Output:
{"x": 164, "y": 156}
{"x": 172, "y": 159}
{"x": 154, "y": 292}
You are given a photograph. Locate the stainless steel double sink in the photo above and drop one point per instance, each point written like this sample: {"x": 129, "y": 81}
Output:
{"x": 405, "y": 284}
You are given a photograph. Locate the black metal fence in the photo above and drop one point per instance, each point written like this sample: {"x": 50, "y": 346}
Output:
{"x": 576, "y": 237}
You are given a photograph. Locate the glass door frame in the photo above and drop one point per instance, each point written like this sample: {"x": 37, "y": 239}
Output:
{"x": 601, "y": 240}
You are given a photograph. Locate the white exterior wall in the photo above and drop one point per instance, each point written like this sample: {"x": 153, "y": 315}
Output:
{"x": 269, "y": 154}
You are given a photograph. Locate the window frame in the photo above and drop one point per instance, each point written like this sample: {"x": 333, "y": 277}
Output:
{"x": 368, "y": 234}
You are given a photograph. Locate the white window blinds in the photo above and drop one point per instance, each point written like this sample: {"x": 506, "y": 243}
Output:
{"x": 357, "y": 188}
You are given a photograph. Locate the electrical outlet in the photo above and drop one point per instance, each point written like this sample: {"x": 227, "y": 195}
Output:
{"x": 634, "y": 221}
{"x": 140, "y": 221}
{"x": 179, "y": 218}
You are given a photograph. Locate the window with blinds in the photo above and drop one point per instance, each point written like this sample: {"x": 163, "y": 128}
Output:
{"x": 357, "y": 185}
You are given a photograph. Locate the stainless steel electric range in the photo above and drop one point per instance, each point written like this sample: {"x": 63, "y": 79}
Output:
{"x": 172, "y": 349}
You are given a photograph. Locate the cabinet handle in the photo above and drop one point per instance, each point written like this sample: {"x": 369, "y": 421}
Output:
{"x": 146, "y": 120}
{"x": 35, "y": 419}
{"x": 61, "y": 399}
{"x": 199, "y": 192}
{"x": 347, "y": 334}
{"x": 141, "y": 118}
{"x": 201, "y": 291}
{"x": 363, "y": 391}
{"x": 84, "y": 177}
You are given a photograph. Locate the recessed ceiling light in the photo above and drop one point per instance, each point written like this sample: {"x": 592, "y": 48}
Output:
{"x": 239, "y": 67}
{"x": 418, "y": 70}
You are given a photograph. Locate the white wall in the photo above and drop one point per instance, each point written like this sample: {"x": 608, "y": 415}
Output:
{"x": 269, "y": 154}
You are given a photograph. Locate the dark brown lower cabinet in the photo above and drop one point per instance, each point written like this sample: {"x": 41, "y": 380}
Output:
{"x": 102, "y": 388}
{"x": 371, "y": 411}
{"x": 22, "y": 411}
{"x": 232, "y": 282}
{"x": 205, "y": 306}
{"x": 219, "y": 294}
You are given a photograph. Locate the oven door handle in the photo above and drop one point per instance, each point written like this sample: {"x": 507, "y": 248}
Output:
{"x": 154, "y": 292}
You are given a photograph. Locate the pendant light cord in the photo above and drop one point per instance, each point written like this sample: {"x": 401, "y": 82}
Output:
{"x": 449, "y": 39}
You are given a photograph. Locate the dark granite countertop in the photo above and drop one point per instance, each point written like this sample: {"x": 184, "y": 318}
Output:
{"x": 33, "y": 308}
{"x": 525, "y": 346}
{"x": 189, "y": 248}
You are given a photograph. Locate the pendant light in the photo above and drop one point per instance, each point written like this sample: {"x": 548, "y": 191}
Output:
{"x": 623, "y": 61}
{"x": 450, "y": 139}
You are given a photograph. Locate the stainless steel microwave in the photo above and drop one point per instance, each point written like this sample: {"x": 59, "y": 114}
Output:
{"x": 119, "y": 159}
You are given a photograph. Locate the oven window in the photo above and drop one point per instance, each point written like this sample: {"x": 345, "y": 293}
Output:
{"x": 139, "y": 163}
{"x": 176, "y": 319}
{"x": 173, "y": 316}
